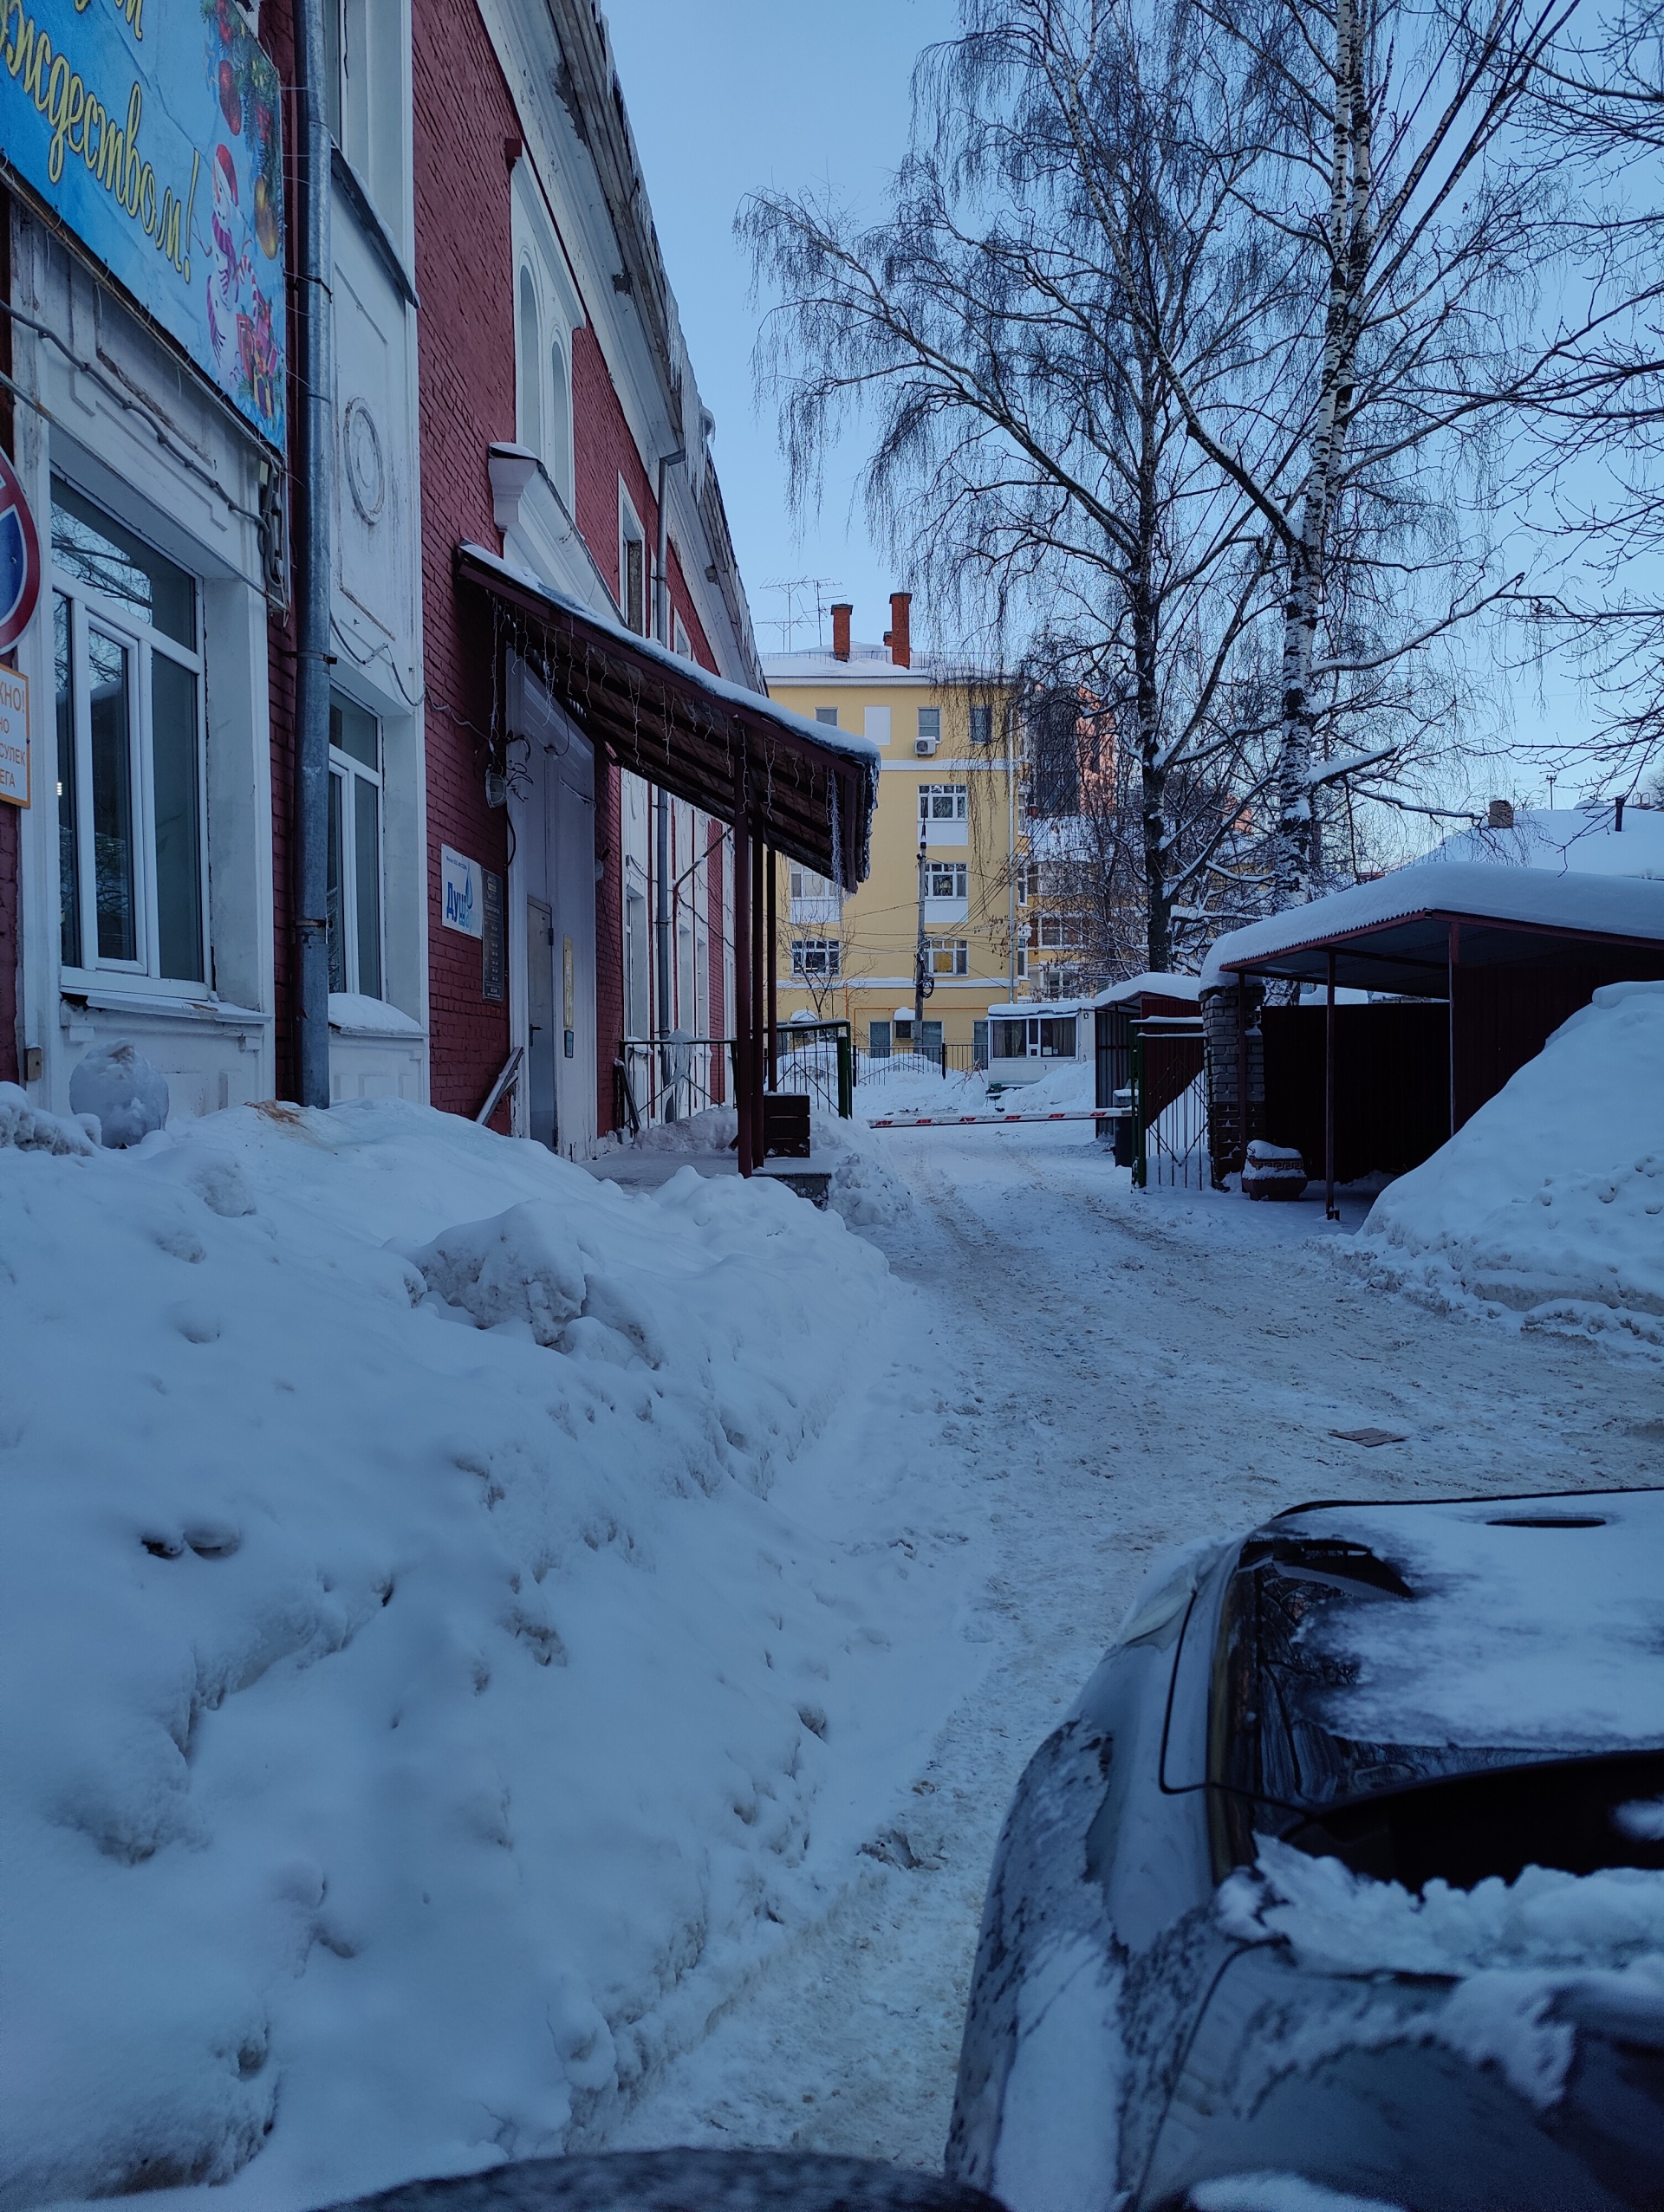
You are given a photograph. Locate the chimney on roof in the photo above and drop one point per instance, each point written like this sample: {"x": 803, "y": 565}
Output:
{"x": 1499, "y": 814}
{"x": 900, "y": 640}
{"x": 842, "y": 610}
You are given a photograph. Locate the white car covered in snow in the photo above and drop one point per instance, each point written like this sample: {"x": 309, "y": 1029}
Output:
{"x": 1346, "y": 1874}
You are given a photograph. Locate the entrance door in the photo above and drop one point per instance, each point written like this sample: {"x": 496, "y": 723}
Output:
{"x": 540, "y": 1017}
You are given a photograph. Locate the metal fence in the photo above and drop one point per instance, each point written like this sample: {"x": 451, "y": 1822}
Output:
{"x": 922, "y": 1060}
{"x": 817, "y": 1058}
{"x": 1170, "y": 1103}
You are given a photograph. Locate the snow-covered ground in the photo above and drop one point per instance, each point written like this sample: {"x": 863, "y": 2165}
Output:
{"x": 511, "y": 1663}
{"x": 1126, "y": 1371}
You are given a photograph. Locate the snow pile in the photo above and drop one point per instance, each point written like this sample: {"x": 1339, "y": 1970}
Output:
{"x": 885, "y": 1090}
{"x": 1510, "y": 1947}
{"x": 865, "y": 1189}
{"x": 419, "y": 1711}
{"x": 1279, "y": 2193}
{"x": 28, "y": 1128}
{"x": 1549, "y": 1205}
{"x": 115, "y": 1087}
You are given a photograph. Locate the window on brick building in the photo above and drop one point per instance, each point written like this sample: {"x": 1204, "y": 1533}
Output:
{"x": 558, "y": 441}
{"x": 632, "y": 566}
{"x": 354, "y": 892}
{"x": 362, "y": 80}
{"x": 529, "y": 381}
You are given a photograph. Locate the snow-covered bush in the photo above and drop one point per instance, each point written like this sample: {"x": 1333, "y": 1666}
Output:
{"x": 26, "y": 1128}
{"x": 1548, "y": 1206}
{"x": 117, "y": 1086}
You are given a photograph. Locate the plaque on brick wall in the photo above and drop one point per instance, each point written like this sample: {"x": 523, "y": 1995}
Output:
{"x": 490, "y": 949}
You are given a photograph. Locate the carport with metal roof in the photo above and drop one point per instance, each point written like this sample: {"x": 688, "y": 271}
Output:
{"x": 1511, "y": 953}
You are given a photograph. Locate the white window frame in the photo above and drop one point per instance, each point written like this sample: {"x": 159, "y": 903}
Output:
{"x": 829, "y": 968}
{"x": 957, "y": 870}
{"x": 349, "y": 770}
{"x": 950, "y": 956}
{"x": 91, "y": 609}
{"x": 959, "y": 795}
{"x": 630, "y": 533}
{"x": 528, "y": 380}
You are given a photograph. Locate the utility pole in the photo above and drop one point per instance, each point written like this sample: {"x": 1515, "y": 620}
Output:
{"x": 923, "y": 983}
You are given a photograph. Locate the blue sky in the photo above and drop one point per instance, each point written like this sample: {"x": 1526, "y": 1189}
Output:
{"x": 723, "y": 98}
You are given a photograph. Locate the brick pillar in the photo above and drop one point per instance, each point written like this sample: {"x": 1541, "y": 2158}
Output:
{"x": 1222, "y": 1030}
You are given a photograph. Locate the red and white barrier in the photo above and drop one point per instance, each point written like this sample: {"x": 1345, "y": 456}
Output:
{"x": 994, "y": 1120}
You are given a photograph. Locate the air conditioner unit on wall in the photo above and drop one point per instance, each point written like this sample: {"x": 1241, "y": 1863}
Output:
{"x": 924, "y": 747}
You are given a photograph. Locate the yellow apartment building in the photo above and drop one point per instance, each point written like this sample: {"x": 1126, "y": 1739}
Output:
{"x": 949, "y": 849}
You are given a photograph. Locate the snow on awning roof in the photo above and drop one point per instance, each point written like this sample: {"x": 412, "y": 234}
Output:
{"x": 809, "y": 789}
{"x": 1394, "y": 935}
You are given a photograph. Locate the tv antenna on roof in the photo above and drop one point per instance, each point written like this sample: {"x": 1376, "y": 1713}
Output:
{"x": 795, "y": 591}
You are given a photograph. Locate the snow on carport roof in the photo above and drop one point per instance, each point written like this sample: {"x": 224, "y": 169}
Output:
{"x": 810, "y": 787}
{"x": 1153, "y": 983}
{"x": 1393, "y": 935}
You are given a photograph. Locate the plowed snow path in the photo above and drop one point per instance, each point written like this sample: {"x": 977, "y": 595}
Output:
{"x": 1128, "y": 1371}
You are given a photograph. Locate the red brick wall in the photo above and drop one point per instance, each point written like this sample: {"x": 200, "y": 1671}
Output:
{"x": 465, "y": 140}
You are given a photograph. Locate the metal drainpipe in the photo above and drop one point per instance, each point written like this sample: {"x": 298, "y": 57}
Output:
{"x": 661, "y": 798}
{"x": 313, "y": 492}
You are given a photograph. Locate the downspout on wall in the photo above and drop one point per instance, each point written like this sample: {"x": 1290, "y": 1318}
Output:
{"x": 313, "y": 492}
{"x": 663, "y": 931}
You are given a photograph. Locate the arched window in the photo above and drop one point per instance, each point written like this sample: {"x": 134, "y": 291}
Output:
{"x": 530, "y": 398}
{"x": 557, "y": 457}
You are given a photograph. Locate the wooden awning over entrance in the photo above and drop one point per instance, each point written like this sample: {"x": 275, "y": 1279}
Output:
{"x": 803, "y": 790}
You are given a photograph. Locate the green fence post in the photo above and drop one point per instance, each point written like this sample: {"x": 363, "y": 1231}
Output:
{"x": 1141, "y": 1166}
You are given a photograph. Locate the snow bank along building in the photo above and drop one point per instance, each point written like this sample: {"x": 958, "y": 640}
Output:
{"x": 545, "y": 836}
{"x": 1457, "y": 970}
{"x": 949, "y": 845}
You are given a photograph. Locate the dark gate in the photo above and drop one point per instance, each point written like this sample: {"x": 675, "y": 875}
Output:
{"x": 1170, "y": 1105}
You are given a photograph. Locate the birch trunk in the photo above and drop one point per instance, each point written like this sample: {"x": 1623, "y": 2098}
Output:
{"x": 1351, "y": 247}
{"x": 1147, "y": 690}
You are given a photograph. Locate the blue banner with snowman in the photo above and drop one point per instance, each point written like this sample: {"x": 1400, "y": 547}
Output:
{"x": 153, "y": 129}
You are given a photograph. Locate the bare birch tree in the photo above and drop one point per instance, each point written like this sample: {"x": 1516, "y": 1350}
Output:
{"x": 1416, "y": 216}
{"x": 1030, "y": 459}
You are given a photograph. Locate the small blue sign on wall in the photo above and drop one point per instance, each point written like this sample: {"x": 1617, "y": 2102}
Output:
{"x": 462, "y": 893}
{"x": 154, "y": 128}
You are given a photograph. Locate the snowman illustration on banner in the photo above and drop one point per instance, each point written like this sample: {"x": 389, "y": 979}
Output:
{"x": 245, "y": 236}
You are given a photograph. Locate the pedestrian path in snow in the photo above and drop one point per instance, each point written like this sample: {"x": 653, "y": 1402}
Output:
{"x": 1123, "y": 1371}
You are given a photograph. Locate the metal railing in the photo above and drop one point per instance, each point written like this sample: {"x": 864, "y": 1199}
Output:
{"x": 671, "y": 1080}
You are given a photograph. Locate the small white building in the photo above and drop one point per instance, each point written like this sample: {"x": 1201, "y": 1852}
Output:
{"x": 1027, "y": 1037}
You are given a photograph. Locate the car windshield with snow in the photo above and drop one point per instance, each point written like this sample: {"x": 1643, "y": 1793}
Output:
{"x": 1345, "y": 1868}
